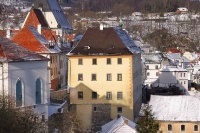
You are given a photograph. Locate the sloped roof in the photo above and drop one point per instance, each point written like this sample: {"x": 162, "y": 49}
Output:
{"x": 152, "y": 58}
{"x": 106, "y": 41}
{"x": 36, "y": 17}
{"x": 59, "y": 15}
{"x": 177, "y": 56}
{"x": 175, "y": 108}
{"x": 29, "y": 38}
{"x": 13, "y": 52}
{"x": 119, "y": 125}
{"x": 54, "y": 7}
{"x": 173, "y": 69}
{"x": 172, "y": 50}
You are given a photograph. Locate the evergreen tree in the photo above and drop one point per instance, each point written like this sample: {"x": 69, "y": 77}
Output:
{"x": 147, "y": 123}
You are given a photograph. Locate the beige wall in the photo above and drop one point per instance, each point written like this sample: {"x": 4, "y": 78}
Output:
{"x": 176, "y": 127}
{"x": 101, "y": 85}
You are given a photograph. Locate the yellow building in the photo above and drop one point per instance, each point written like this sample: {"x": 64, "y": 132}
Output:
{"x": 105, "y": 77}
{"x": 177, "y": 114}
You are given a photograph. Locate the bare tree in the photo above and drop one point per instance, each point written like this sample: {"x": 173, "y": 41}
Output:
{"x": 19, "y": 120}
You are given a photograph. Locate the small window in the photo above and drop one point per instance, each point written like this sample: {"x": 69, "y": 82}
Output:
{"x": 147, "y": 67}
{"x": 95, "y": 109}
{"x": 184, "y": 82}
{"x": 156, "y": 67}
{"x": 108, "y": 95}
{"x": 80, "y": 95}
{"x": 169, "y": 127}
{"x": 184, "y": 74}
{"x": 94, "y": 77}
{"x": 119, "y": 61}
{"x": 119, "y": 77}
{"x": 108, "y": 60}
{"x": 80, "y": 77}
{"x": 109, "y": 77}
{"x": 80, "y": 61}
{"x": 94, "y": 95}
{"x": 119, "y": 95}
{"x": 119, "y": 109}
{"x": 196, "y": 128}
{"x": 94, "y": 61}
{"x": 181, "y": 74}
{"x": 148, "y": 73}
{"x": 182, "y": 127}
{"x": 157, "y": 73}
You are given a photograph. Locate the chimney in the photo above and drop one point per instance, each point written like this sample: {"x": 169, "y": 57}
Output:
{"x": 39, "y": 28}
{"x": 126, "y": 122}
{"x": 101, "y": 26}
{"x": 118, "y": 116}
{"x": 8, "y": 34}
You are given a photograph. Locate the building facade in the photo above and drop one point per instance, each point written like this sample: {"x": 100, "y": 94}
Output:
{"x": 105, "y": 76}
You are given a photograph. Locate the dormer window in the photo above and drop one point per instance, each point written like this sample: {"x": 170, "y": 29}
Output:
{"x": 86, "y": 47}
{"x": 51, "y": 45}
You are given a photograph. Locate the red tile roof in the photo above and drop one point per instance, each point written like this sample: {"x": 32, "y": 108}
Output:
{"x": 49, "y": 34}
{"x": 172, "y": 50}
{"x": 13, "y": 52}
{"x": 26, "y": 38}
{"x": 36, "y": 17}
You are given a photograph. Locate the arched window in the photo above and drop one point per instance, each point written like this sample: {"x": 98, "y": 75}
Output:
{"x": 38, "y": 91}
{"x": 19, "y": 93}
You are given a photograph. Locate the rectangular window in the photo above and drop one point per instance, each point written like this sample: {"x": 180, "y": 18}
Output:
{"x": 108, "y": 60}
{"x": 181, "y": 74}
{"x": 80, "y": 77}
{"x": 182, "y": 127}
{"x": 108, "y": 95}
{"x": 80, "y": 95}
{"x": 119, "y": 60}
{"x": 119, "y": 109}
{"x": 169, "y": 127}
{"x": 94, "y": 77}
{"x": 119, "y": 77}
{"x": 119, "y": 95}
{"x": 148, "y": 73}
{"x": 184, "y": 74}
{"x": 157, "y": 73}
{"x": 94, "y": 95}
{"x": 147, "y": 67}
{"x": 80, "y": 61}
{"x": 156, "y": 67}
{"x": 94, "y": 61}
{"x": 95, "y": 109}
{"x": 196, "y": 128}
{"x": 109, "y": 77}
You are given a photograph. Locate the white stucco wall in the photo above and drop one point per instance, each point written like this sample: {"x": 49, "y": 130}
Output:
{"x": 51, "y": 20}
{"x": 28, "y": 72}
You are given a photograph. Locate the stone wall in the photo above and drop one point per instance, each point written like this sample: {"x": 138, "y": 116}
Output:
{"x": 101, "y": 114}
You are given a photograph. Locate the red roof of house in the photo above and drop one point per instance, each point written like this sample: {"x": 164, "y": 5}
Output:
{"x": 172, "y": 50}
{"x": 13, "y": 52}
{"x": 36, "y": 17}
{"x": 28, "y": 40}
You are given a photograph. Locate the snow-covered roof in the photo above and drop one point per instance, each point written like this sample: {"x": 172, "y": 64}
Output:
{"x": 59, "y": 15}
{"x": 183, "y": 9}
{"x": 177, "y": 56}
{"x": 175, "y": 108}
{"x": 173, "y": 69}
{"x": 119, "y": 125}
{"x": 152, "y": 58}
{"x": 127, "y": 41}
